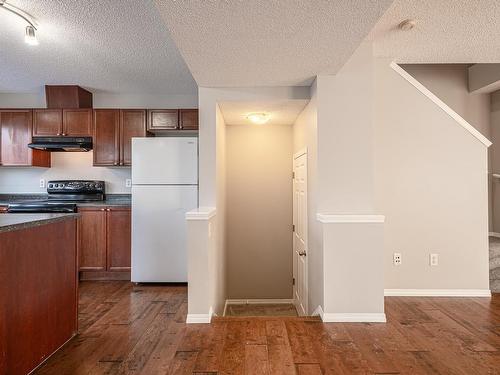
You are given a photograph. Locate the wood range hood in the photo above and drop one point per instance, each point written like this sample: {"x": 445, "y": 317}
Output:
{"x": 67, "y": 96}
{"x": 61, "y": 98}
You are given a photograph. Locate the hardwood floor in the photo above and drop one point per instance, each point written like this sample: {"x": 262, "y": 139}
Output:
{"x": 126, "y": 329}
{"x": 261, "y": 309}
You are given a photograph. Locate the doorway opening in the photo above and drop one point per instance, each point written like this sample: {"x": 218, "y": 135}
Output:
{"x": 265, "y": 199}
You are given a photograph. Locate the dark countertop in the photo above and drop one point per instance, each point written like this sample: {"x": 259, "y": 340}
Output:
{"x": 10, "y": 222}
{"x": 112, "y": 200}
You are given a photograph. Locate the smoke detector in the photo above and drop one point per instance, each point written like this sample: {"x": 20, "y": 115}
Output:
{"x": 407, "y": 24}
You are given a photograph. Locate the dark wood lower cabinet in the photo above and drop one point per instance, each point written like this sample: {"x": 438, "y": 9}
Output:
{"x": 118, "y": 239}
{"x": 104, "y": 243}
{"x": 38, "y": 293}
{"x": 92, "y": 239}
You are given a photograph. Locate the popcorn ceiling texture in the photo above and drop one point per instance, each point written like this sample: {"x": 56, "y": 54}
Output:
{"x": 447, "y": 31}
{"x": 112, "y": 46}
{"x": 267, "y": 43}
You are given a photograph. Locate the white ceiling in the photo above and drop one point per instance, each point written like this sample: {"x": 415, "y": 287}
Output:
{"x": 115, "y": 46}
{"x": 267, "y": 43}
{"x": 283, "y": 112}
{"x": 447, "y": 31}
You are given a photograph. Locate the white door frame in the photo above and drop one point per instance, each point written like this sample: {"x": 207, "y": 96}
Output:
{"x": 306, "y": 246}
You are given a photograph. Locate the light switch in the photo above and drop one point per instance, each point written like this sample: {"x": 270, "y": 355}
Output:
{"x": 128, "y": 182}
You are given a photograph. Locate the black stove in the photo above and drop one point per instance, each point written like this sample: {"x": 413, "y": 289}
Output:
{"x": 63, "y": 196}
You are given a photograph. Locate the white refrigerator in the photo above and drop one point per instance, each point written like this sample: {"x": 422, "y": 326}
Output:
{"x": 164, "y": 188}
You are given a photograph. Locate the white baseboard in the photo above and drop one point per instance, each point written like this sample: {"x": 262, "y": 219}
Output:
{"x": 318, "y": 312}
{"x": 354, "y": 318}
{"x": 437, "y": 293}
{"x": 256, "y": 301}
{"x": 494, "y": 234}
{"x": 200, "y": 318}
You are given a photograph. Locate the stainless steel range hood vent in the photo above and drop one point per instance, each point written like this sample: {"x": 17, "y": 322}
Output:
{"x": 53, "y": 144}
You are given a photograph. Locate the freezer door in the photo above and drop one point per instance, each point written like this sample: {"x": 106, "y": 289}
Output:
{"x": 159, "y": 232}
{"x": 165, "y": 160}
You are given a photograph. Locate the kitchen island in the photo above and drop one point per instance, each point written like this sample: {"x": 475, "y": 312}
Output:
{"x": 38, "y": 288}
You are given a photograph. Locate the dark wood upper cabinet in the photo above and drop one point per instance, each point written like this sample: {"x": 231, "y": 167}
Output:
{"x": 67, "y": 96}
{"x": 106, "y": 137}
{"x": 188, "y": 119}
{"x": 118, "y": 239}
{"x": 132, "y": 124}
{"x": 77, "y": 122}
{"x": 62, "y": 122}
{"x": 163, "y": 119}
{"x": 113, "y": 133}
{"x": 15, "y": 134}
{"x": 92, "y": 239}
{"x": 47, "y": 122}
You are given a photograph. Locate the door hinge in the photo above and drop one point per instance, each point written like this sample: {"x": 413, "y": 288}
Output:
{"x": 293, "y": 281}
{"x": 293, "y": 227}
{"x": 293, "y": 175}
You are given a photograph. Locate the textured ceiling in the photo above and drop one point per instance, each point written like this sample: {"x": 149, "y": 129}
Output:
{"x": 267, "y": 43}
{"x": 283, "y": 112}
{"x": 116, "y": 46}
{"x": 447, "y": 31}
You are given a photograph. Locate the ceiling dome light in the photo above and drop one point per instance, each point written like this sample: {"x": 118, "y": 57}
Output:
{"x": 30, "y": 36}
{"x": 258, "y": 118}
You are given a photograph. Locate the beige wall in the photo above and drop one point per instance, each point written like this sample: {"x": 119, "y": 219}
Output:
{"x": 259, "y": 211}
{"x": 65, "y": 165}
{"x": 431, "y": 184}
{"x": 449, "y": 82}
{"x": 345, "y": 141}
{"x": 219, "y": 260}
{"x": 495, "y": 160}
{"x": 305, "y": 135}
{"x": 352, "y": 253}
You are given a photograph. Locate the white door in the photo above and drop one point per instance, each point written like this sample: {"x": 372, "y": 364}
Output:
{"x": 165, "y": 160}
{"x": 300, "y": 232}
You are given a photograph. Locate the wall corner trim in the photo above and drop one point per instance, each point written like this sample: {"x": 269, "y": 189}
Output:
{"x": 201, "y": 213}
{"x": 449, "y": 111}
{"x": 339, "y": 219}
{"x": 200, "y": 318}
{"x": 354, "y": 318}
{"x": 318, "y": 312}
{"x": 437, "y": 293}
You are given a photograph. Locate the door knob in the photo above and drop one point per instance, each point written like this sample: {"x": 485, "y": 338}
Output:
{"x": 302, "y": 253}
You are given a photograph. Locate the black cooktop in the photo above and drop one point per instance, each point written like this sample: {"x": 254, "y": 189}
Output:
{"x": 63, "y": 196}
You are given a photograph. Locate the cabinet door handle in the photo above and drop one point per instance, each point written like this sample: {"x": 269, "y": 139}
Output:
{"x": 115, "y": 163}
{"x": 103, "y": 209}
{"x": 64, "y": 134}
{"x": 58, "y": 134}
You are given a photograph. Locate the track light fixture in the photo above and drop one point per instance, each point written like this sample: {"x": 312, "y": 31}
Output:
{"x": 30, "y": 31}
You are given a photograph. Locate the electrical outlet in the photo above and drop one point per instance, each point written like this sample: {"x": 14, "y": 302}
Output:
{"x": 128, "y": 182}
{"x": 42, "y": 183}
{"x": 396, "y": 258}
{"x": 433, "y": 259}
